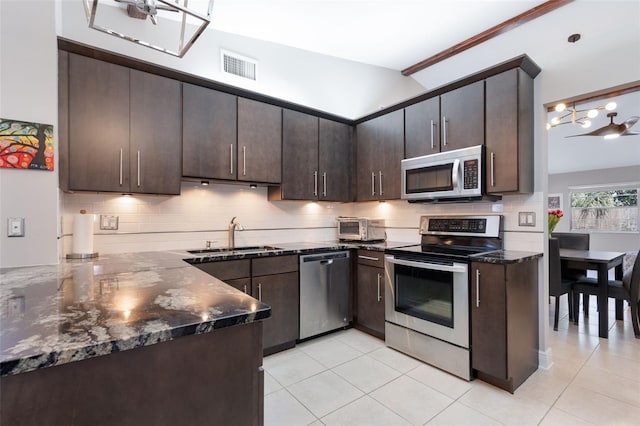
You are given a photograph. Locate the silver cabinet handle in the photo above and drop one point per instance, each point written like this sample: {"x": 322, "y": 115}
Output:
{"x": 324, "y": 184}
{"x": 315, "y": 183}
{"x": 120, "y": 166}
{"x": 245, "y": 289}
{"x": 493, "y": 175}
{"x": 379, "y": 295}
{"x": 368, "y": 258}
{"x": 260, "y": 292}
{"x": 380, "y": 177}
{"x": 477, "y": 288}
{"x": 231, "y": 161}
{"x": 433, "y": 125}
{"x": 444, "y": 130}
{"x": 138, "y": 169}
{"x": 244, "y": 161}
{"x": 373, "y": 184}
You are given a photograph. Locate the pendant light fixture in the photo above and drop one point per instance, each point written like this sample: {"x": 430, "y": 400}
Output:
{"x": 172, "y": 26}
{"x": 581, "y": 117}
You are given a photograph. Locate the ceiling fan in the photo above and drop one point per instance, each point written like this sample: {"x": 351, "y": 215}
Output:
{"x": 142, "y": 8}
{"x": 613, "y": 130}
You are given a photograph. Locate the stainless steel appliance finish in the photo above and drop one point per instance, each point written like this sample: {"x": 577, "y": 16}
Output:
{"x": 447, "y": 176}
{"x": 325, "y": 296}
{"x": 361, "y": 229}
{"x": 427, "y": 289}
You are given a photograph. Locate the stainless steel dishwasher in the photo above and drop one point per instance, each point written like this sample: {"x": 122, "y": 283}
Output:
{"x": 325, "y": 296}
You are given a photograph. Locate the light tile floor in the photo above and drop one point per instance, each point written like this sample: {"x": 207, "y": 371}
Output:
{"x": 351, "y": 378}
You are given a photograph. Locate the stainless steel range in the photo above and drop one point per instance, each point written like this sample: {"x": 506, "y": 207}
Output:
{"x": 427, "y": 289}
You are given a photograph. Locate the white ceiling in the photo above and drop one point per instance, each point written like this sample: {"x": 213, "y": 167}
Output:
{"x": 388, "y": 33}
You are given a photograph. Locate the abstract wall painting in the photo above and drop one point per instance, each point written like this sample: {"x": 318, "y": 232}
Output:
{"x": 25, "y": 145}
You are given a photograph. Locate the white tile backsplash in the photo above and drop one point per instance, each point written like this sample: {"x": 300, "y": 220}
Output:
{"x": 151, "y": 223}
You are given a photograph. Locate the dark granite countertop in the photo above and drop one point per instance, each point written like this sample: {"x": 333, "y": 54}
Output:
{"x": 52, "y": 315}
{"x": 505, "y": 257}
{"x": 78, "y": 309}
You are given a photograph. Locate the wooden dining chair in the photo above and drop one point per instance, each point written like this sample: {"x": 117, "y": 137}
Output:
{"x": 626, "y": 289}
{"x": 558, "y": 285}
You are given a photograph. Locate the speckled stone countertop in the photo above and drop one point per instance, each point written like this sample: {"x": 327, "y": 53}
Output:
{"x": 504, "y": 257}
{"x": 51, "y": 315}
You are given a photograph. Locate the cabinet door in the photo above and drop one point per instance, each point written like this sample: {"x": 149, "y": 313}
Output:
{"x": 509, "y": 132}
{"x": 156, "y": 128}
{"x": 259, "y": 142}
{"x": 367, "y": 150}
{"x": 299, "y": 156}
{"x": 98, "y": 125}
{"x": 281, "y": 292}
{"x": 370, "y": 298}
{"x": 209, "y": 122}
{"x": 379, "y": 152}
{"x": 242, "y": 284}
{"x": 488, "y": 319}
{"x": 392, "y": 153}
{"x": 462, "y": 121}
{"x": 422, "y": 128}
{"x": 334, "y": 161}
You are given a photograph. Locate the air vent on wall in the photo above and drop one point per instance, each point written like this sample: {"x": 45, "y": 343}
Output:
{"x": 241, "y": 66}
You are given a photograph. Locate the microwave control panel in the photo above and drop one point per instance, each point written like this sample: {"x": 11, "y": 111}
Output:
{"x": 470, "y": 173}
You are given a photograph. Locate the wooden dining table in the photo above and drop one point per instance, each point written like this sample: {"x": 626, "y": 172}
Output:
{"x": 602, "y": 262}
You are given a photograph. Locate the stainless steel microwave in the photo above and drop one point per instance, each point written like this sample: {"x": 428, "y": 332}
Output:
{"x": 360, "y": 229}
{"x": 456, "y": 175}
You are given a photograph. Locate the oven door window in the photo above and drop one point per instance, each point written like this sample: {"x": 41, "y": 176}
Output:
{"x": 430, "y": 179}
{"x": 425, "y": 294}
{"x": 350, "y": 228}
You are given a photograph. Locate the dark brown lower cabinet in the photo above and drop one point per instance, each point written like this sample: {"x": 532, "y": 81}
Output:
{"x": 504, "y": 322}
{"x": 281, "y": 292}
{"x": 273, "y": 280}
{"x": 370, "y": 293}
{"x": 204, "y": 379}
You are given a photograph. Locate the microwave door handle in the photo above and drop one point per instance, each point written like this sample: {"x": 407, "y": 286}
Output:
{"x": 425, "y": 265}
{"x": 454, "y": 175}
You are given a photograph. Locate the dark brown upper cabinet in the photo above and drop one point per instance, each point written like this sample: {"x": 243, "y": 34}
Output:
{"x": 156, "y": 126}
{"x": 509, "y": 132}
{"x": 209, "y": 135}
{"x": 259, "y": 142}
{"x": 462, "y": 117}
{"x": 316, "y": 159}
{"x": 122, "y": 137}
{"x": 380, "y": 149}
{"x": 334, "y": 161}
{"x": 422, "y": 128}
{"x": 299, "y": 157}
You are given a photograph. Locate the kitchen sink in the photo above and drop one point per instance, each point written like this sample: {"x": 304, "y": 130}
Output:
{"x": 225, "y": 250}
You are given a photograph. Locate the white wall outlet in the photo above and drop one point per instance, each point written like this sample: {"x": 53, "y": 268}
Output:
{"x": 108, "y": 222}
{"x": 15, "y": 227}
{"x": 526, "y": 218}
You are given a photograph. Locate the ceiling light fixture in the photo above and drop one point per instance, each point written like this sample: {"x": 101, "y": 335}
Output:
{"x": 169, "y": 20}
{"x": 578, "y": 116}
{"x": 204, "y": 182}
{"x": 613, "y": 130}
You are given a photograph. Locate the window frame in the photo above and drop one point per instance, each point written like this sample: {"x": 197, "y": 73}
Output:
{"x": 604, "y": 188}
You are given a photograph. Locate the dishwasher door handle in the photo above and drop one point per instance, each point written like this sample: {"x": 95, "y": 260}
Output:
{"x": 326, "y": 262}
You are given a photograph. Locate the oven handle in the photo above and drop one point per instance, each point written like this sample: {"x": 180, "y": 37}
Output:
{"x": 426, "y": 265}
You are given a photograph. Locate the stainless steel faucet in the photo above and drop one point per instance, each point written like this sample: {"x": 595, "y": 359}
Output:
{"x": 233, "y": 225}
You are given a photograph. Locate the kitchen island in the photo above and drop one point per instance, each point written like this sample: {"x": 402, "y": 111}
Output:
{"x": 137, "y": 338}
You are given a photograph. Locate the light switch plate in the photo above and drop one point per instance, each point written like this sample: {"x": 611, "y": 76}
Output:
{"x": 526, "y": 218}
{"x": 108, "y": 222}
{"x": 15, "y": 227}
